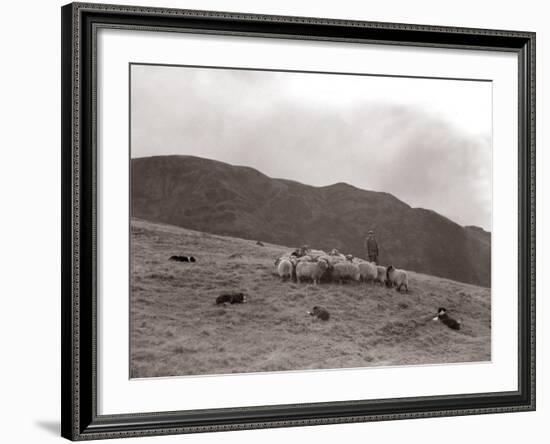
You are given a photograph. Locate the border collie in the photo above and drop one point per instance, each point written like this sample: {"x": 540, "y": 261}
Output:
{"x": 183, "y": 258}
{"x": 231, "y": 298}
{"x": 319, "y": 313}
{"x": 443, "y": 317}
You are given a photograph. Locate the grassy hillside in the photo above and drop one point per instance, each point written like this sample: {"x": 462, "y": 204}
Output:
{"x": 215, "y": 197}
{"x": 176, "y": 328}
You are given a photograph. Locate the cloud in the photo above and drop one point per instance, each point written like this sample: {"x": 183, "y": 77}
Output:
{"x": 414, "y": 140}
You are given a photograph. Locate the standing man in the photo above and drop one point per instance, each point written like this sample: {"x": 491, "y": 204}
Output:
{"x": 371, "y": 247}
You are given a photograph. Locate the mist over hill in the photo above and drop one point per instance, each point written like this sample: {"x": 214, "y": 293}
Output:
{"x": 219, "y": 198}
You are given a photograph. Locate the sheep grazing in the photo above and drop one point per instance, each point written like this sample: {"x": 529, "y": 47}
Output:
{"x": 317, "y": 265}
{"x": 381, "y": 277}
{"x": 282, "y": 270}
{"x": 342, "y": 271}
{"x": 310, "y": 270}
{"x": 300, "y": 251}
{"x": 285, "y": 269}
{"x": 368, "y": 271}
{"x": 316, "y": 253}
{"x": 397, "y": 278}
{"x": 319, "y": 313}
{"x": 285, "y": 256}
{"x": 336, "y": 254}
{"x": 331, "y": 260}
{"x": 324, "y": 257}
{"x": 306, "y": 258}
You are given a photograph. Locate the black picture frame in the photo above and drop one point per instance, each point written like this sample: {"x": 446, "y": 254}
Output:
{"x": 80, "y": 420}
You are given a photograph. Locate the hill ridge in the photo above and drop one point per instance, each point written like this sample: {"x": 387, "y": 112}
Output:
{"x": 217, "y": 197}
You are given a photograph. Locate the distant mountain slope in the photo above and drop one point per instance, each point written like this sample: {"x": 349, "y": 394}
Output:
{"x": 216, "y": 197}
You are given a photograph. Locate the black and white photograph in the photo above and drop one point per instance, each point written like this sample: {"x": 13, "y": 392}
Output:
{"x": 292, "y": 221}
{"x": 284, "y": 221}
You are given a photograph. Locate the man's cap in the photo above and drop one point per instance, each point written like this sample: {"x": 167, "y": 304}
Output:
{"x": 371, "y": 232}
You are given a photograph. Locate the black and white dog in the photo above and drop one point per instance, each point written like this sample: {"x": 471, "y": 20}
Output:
{"x": 319, "y": 313}
{"x": 231, "y": 298}
{"x": 183, "y": 258}
{"x": 443, "y": 317}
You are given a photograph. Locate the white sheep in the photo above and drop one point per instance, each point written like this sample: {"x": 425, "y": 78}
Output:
{"x": 306, "y": 258}
{"x": 310, "y": 270}
{"x": 381, "y": 274}
{"x": 397, "y": 278}
{"x": 316, "y": 253}
{"x": 345, "y": 270}
{"x": 368, "y": 271}
{"x": 328, "y": 259}
{"x": 331, "y": 260}
{"x": 324, "y": 257}
{"x": 284, "y": 256}
{"x": 285, "y": 269}
{"x": 335, "y": 253}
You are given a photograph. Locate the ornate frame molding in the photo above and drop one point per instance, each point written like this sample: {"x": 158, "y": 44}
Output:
{"x": 79, "y": 396}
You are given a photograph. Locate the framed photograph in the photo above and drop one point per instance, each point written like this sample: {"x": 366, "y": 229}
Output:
{"x": 281, "y": 221}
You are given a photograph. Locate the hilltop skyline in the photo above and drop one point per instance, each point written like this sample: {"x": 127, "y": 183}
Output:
{"x": 426, "y": 141}
{"x": 216, "y": 197}
{"x": 308, "y": 185}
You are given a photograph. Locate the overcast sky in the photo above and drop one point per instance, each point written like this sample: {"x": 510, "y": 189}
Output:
{"x": 426, "y": 141}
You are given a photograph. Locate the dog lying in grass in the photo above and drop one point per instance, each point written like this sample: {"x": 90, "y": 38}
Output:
{"x": 182, "y": 258}
{"x": 231, "y": 298}
{"x": 443, "y": 317}
{"x": 319, "y": 313}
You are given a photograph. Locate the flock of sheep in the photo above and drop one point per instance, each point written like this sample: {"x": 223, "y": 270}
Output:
{"x": 306, "y": 264}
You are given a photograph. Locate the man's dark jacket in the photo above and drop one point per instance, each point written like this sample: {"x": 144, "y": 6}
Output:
{"x": 372, "y": 246}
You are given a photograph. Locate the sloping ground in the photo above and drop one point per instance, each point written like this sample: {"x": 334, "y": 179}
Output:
{"x": 176, "y": 328}
{"x": 215, "y": 197}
